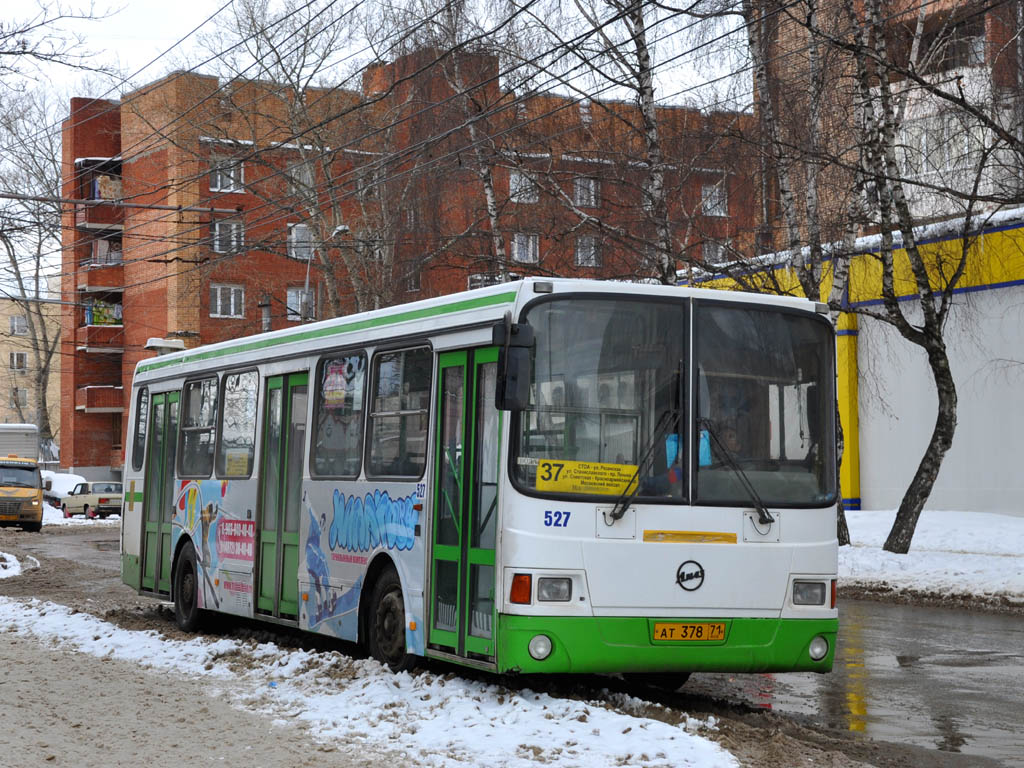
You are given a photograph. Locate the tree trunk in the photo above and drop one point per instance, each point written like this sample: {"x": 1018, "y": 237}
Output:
{"x": 928, "y": 470}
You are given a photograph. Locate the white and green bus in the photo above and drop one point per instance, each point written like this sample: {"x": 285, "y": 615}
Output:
{"x": 540, "y": 476}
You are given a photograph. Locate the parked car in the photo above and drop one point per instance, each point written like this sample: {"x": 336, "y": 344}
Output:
{"x": 93, "y": 499}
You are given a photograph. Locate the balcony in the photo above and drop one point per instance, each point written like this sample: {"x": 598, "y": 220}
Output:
{"x": 100, "y": 338}
{"x": 99, "y": 214}
{"x": 93, "y": 277}
{"x": 100, "y": 399}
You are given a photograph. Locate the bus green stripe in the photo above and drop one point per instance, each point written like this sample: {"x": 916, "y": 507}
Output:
{"x": 623, "y": 644}
{"x": 334, "y": 330}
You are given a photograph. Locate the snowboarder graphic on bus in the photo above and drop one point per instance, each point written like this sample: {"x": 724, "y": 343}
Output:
{"x": 316, "y": 566}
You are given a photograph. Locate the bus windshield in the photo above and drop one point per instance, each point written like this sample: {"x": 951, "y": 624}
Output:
{"x": 765, "y": 407}
{"x": 605, "y": 416}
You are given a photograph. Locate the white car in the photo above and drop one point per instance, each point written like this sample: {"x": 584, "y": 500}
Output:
{"x": 93, "y": 499}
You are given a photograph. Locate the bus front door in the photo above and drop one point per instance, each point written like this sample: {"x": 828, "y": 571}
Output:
{"x": 465, "y": 505}
{"x": 284, "y": 445}
{"x": 158, "y": 493}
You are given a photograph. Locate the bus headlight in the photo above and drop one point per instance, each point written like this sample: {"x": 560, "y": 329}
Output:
{"x": 808, "y": 593}
{"x": 818, "y": 648}
{"x": 540, "y": 647}
{"x": 554, "y": 590}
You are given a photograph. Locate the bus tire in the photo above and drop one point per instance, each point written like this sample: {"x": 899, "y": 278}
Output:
{"x": 32, "y": 527}
{"x": 186, "y": 590}
{"x": 386, "y": 626}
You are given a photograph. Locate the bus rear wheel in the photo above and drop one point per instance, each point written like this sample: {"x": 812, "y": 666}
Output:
{"x": 386, "y": 629}
{"x": 186, "y": 590}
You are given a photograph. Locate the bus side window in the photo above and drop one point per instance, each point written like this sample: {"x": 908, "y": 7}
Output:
{"x": 338, "y": 417}
{"x": 400, "y": 412}
{"x": 141, "y": 423}
{"x": 199, "y": 415}
{"x": 237, "y": 443}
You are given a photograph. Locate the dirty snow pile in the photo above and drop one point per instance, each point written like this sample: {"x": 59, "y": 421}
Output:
{"x": 433, "y": 720}
{"x": 953, "y": 553}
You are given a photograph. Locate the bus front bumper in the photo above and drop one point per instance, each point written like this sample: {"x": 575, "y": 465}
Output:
{"x": 587, "y": 645}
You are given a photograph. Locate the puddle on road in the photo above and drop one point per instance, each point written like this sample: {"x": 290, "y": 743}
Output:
{"x": 106, "y": 545}
{"x": 934, "y": 678}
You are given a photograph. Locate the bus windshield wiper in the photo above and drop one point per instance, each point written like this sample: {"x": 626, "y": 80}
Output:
{"x": 667, "y": 420}
{"x": 764, "y": 517}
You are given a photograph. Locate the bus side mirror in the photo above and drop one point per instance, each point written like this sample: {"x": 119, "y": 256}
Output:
{"x": 513, "y": 380}
{"x": 48, "y": 485}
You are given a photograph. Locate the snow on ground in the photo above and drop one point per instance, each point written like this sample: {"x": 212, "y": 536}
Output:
{"x": 449, "y": 721}
{"x": 955, "y": 553}
{"x": 9, "y": 566}
{"x": 435, "y": 720}
{"x": 53, "y": 516}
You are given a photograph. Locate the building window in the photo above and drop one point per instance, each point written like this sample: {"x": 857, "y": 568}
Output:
{"x": 586, "y": 251}
{"x": 300, "y": 242}
{"x": 714, "y": 252}
{"x": 368, "y": 184}
{"x": 584, "y": 192}
{"x": 714, "y": 200}
{"x": 525, "y": 248}
{"x": 227, "y": 236}
{"x": 585, "y": 116}
{"x": 19, "y": 325}
{"x": 300, "y": 179}
{"x": 296, "y": 298}
{"x": 522, "y": 188}
{"x": 942, "y": 142}
{"x": 226, "y": 176}
{"x": 412, "y": 277}
{"x": 19, "y": 397}
{"x": 19, "y": 361}
{"x": 227, "y": 300}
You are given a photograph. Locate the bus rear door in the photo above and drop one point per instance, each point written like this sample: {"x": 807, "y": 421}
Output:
{"x": 465, "y": 505}
{"x": 158, "y": 494}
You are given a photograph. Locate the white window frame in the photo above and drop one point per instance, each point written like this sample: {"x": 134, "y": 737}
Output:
{"x": 413, "y": 278}
{"x": 585, "y": 192}
{"x": 227, "y": 236}
{"x": 714, "y": 199}
{"x": 293, "y": 303}
{"x": 19, "y": 361}
{"x": 300, "y": 179}
{"x": 587, "y": 253}
{"x": 19, "y": 325}
{"x": 295, "y": 242}
{"x": 227, "y": 175}
{"x": 714, "y": 252}
{"x": 19, "y": 397}
{"x": 233, "y": 306}
{"x": 522, "y": 188}
{"x": 526, "y": 248}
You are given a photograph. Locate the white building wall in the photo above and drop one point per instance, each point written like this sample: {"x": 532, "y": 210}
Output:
{"x": 984, "y": 470}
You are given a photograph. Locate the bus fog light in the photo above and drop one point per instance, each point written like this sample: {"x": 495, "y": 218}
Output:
{"x": 540, "y": 647}
{"x": 554, "y": 590}
{"x": 818, "y": 648}
{"x": 808, "y": 593}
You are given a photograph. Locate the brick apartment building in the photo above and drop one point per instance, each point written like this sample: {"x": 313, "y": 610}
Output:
{"x": 212, "y": 210}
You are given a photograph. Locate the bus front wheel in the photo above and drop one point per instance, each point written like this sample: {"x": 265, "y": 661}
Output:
{"x": 186, "y": 590}
{"x": 386, "y": 636}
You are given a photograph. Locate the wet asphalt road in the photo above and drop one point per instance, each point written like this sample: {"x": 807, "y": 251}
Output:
{"x": 937, "y": 678}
